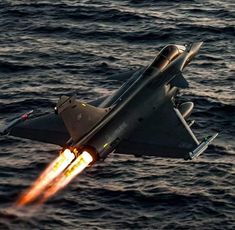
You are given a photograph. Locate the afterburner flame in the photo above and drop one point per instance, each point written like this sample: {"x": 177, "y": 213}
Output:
{"x": 49, "y": 174}
{"x": 72, "y": 171}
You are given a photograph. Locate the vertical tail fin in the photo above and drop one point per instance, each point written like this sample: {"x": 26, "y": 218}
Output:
{"x": 78, "y": 117}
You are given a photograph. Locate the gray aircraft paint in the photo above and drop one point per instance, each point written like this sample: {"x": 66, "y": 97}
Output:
{"x": 139, "y": 118}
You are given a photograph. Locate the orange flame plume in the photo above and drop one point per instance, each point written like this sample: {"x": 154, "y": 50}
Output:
{"x": 47, "y": 176}
{"x": 73, "y": 170}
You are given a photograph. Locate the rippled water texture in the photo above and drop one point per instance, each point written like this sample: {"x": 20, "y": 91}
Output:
{"x": 53, "y": 48}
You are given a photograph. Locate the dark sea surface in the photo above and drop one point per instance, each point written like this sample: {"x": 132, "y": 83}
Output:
{"x": 53, "y": 48}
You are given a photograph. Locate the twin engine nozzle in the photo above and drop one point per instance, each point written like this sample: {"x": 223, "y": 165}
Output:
{"x": 77, "y": 151}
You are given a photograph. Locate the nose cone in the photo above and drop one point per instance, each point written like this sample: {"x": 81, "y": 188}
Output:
{"x": 187, "y": 55}
{"x": 194, "y": 48}
{"x": 192, "y": 52}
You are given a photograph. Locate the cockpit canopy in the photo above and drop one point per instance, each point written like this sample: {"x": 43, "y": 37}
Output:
{"x": 167, "y": 55}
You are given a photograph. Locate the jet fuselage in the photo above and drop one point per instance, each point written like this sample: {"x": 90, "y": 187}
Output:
{"x": 133, "y": 103}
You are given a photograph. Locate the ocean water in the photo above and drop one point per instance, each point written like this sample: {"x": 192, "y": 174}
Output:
{"x": 52, "y": 48}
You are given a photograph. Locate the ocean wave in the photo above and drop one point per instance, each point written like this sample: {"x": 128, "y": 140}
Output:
{"x": 24, "y": 105}
{"x": 53, "y": 48}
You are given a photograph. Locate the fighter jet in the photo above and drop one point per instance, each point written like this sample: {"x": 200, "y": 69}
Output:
{"x": 140, "y": 118}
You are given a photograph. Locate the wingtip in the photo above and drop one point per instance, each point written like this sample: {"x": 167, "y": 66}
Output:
{"x": 212, "y": 137}
{"x": 202, "y": 146}
{"x": 3, "y": 132}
